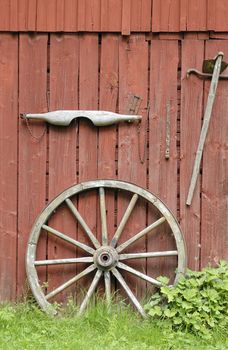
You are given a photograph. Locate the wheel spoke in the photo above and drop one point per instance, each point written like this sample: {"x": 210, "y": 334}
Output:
{"x": 132, "y": 297}
{"x": 138, "y": 274}
{"x": 103, "y": 216}
{"x": 124, "y": 220}
{"x": 88, "y": 259}
{"x": 68, "y": 239}
{"x": 90, "y": 291}
{"x": 107, "y": 280}
{"x": 147, "y": 255}
{"x": 83, "y": 224}
{"x": 70, "y": 282}
{"x": 140, "y": 234}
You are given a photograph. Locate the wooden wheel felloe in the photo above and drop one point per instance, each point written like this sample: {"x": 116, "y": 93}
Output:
{"x": 106, "y": 257}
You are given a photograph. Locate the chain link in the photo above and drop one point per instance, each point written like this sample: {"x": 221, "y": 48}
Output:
{"x": 34, "y": 137}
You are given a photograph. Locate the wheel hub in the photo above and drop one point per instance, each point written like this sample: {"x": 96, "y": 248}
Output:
{"x": 105, "y": 257}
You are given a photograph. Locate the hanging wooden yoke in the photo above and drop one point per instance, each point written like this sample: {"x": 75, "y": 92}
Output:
{"x": 98, "y": 118}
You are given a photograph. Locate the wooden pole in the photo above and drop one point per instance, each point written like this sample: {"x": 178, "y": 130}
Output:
{"x": 204, "y": 130}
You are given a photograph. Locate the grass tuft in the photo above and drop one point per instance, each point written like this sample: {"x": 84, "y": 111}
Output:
{"x": 25, "y": 327}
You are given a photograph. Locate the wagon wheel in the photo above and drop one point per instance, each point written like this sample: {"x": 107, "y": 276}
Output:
{"x": 105, "y": 258}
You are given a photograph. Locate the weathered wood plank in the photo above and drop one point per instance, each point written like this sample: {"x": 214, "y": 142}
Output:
{"x": 140, "y": 15}
{"x": 214, "y": 172}
{"x": 8, "y": 165}
{"x": 70, "y": 15}
{"x": 108, "y": 95}
{"x": 46, "y": 15}
{"x": 64, "y": 66}
{"x": 126, "y": 17}
{"x": 27, "y": 15}
{"x": 217, "y": 15}
{"x": 89, "y": 15}
{"x": 32, "y": 155}
{"x": 133, "y": 78}
{"x": 5, "y": 15}
{"x": 166, "y": 16}
{"x": 88, "y": 134}
{"x": 162, "y": 179}
{"x": 111, "y": 15}
{"x": 193, "y": 15}
{"x": 190, "y": 126}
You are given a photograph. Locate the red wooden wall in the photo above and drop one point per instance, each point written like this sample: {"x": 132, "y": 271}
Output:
{"x": 101, "y": 71}
{"x": 123, "y": 16}
{"x": 96, "y": 54}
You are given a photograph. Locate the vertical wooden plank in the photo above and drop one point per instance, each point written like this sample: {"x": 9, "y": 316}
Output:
{"x": 183, "y": 15}
{"x": 60, "y": 13}
{"x": 8, "y": 164}
{"x": 111, "y": 15}
{"x": 89, "y": 15}
{"x": 211, "y": 14}
{"x": 46, "y": 15}
{"x": 166, "y": 16}
{"x": 26, "y": 15}
{"x": 88, "y": 100}
{"x": 140, "y": 15}
{"x": 215, "y": 169}
{"x": 5, "y": 15}
{"x": 32, "y": 15}
{"x": 64, "y": 63}
{"x": 70, "y": 15}
{"x": 133, "y": 78}
{"x": 217, "y": 15}
{"x": 108, "y": 102}
{"x": 191, "y": 113}
{"x": 162, "y": 123}
{"x": 126, "y": 17}
{"x": 14, "y": 7}
{"x": 32, "y": 156}
{"x": 193, "y": 15}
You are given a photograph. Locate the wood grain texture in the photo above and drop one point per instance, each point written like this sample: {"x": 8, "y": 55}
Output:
{"x": 111, "y": 15}
{"x": 5, "y": 15}
{"x": 166, "y": 16}
{"x": 193, "y": 15}
{"x": 32, "y": 155}
{"x": 214, "y": 224}
{"x": 8, "y": 165}
{"x": 107, "y": 141}
{"x": 163, "y": 172}
{"x": 64, "y": 67}
{"x": 133, "y": 78}
{"x": 70, "y": 15}
{"x": 141, "y": 15}
{"x": 27, "y": 15}
{"x": 217, "y": 15}
{"x": 126, "y": 17}
{"x": 88, "y": 134}
{"x": 46, "y": 16}
{"x": 191, "y": 114}
{"x": 89, "y": 15}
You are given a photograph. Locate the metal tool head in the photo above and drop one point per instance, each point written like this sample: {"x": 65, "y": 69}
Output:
{"x": 208, "y": 65}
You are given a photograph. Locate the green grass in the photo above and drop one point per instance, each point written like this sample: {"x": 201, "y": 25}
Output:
{"x": 25, "y": 327}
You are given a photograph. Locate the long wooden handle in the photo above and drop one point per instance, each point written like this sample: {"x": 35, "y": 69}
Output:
{"x": 204, "y": 130}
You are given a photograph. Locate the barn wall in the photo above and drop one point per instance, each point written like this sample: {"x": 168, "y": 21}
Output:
{"x": 45, "y": 71}
{"x": 123, "y": 16}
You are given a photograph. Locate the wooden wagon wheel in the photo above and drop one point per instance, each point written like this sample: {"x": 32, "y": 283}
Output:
{"x": 104, "y": 258}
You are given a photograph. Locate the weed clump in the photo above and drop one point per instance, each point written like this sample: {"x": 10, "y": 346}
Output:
{"x": 198, "y": 303}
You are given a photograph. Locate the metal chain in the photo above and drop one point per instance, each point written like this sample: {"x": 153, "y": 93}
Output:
{"x": 35, "y": 138}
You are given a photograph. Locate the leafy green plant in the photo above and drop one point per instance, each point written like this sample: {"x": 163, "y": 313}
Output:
{"x": 198, "y": 303}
